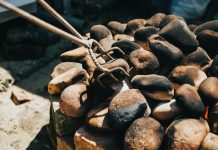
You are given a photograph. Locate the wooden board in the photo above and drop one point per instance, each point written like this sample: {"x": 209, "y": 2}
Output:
{"x": 27, "y": 5}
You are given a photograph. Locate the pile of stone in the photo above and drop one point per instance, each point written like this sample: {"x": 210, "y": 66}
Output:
{"x": 168, "y": 99}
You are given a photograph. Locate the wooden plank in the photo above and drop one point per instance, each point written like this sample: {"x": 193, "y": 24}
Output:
{"x": 27, "y": 5}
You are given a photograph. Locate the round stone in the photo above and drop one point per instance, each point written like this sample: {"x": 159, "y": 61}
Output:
{"x": 144, "y": 134}
{"x": 208, "y": 91}
{"x": 153, "y": 86}
{"x": 144, "y": 62}
{"x": 74, "y": 100}
{"x": 99, "y": 32}
{"x": 186, "y": 75}
{"x": 187, "y": 99}
{"x": 97, "y": 118}
{"x": 186, "y": 134}
{"x": 125, "y": 107}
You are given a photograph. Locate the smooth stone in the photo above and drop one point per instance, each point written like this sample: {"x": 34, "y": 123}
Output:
{"x": 198, "y": 58}
{"x": 75, "y": 55}
{"x": 85, "y": 139}
{"x": 74, "y": 100}
{"x": 141, "y": 36}
{"x": 106, "y": 43}
{"x": 155, "y": 20}
{"x": 120, "y": 37}
{"x": 210, "y": 142}
{"x": 97, "y": 118}
{"x": 144, "y": 62}
{"x": 186, "y": 75}
{"x": 144, "y": 134}
{"x": 165, "y": 111}
{"x": 178, "y": 34}
{"x": 186, "y": 134}
{"x": 125, "y": 107}
{"x": 134, "y": 25}
{"x": 189, "y": 101}
{"x": 99, "y": 32}
{"x": 63, "y": 67}
{"x": 116, "y": 27}
{"x": 208, "y": 40}
{"x": 213, "y": 70}
{"x": 153, "y": 86}
{"x": 71, "y": 76}
{"x": 213, "y": 118}
{"x": 208, "y": 91}
{"x": 126, "y": 46}
{"x": 210, "y": 25}
{"x": 166, "y": 53}
{"x": 169, "y": 18}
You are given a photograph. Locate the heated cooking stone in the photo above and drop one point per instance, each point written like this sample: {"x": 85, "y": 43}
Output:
{"x": 144, "y": 134}
{"x": 125, "y": 107}
{"x": 208, "y": 91}
{"x": 185, "y": 134}
{"x": 178, "y": 33}
{"x": 188, "y": 99}
{"x": 99, "y": 32}
{"x": 208, "y": 40}
{"x": 144, "y": 62}
{"x": 154, "y": 86}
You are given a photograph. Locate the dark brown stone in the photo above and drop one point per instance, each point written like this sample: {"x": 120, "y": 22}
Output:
{"x": 134, "y": 25}
{"x": 213, "y": 70}
{"x": 189, "y": 101}
{"x": 144, "y": 62}
{"x": 169, "y": 18}
{"x": 144, "y": 134}
{"x": 208, "y": 40}
{"x": 116, "y": 27}
{"x": 74, "y": 100}
{"x": 178, "y": 33}
{"x": 186, "y": 75}
{"x": 125, "y": 107}
{"x": 153, "y": 86}
{"x": 166, "y": 53}
{"x": 197, "y": 58}
{"x": 99, "y": 32}
{"x": 185, "y": 134}
{"x": 213, "y": 118}
{"x": 208, "y": 91}
{"x": 210, "y": 25}
{"x": 126, "y": 46}
{"x": 155, "y": 20}
{"x": 141, "y": 36}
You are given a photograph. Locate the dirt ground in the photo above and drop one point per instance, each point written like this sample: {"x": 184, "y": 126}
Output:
{"x": 24, "y": 126}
